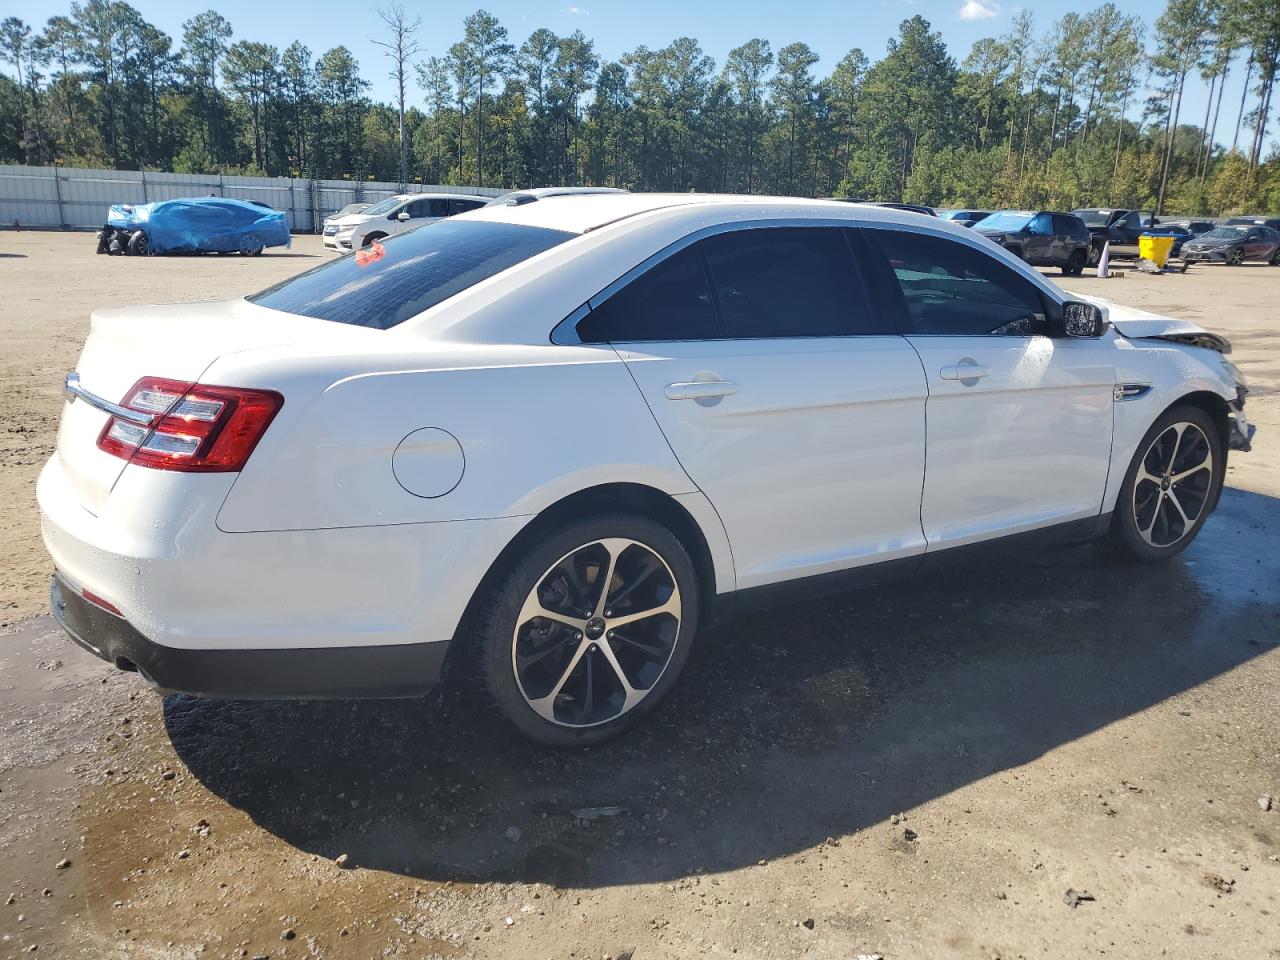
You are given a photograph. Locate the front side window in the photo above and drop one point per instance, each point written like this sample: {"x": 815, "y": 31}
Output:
{"x": 953, "y": 289}
{"x": 1042, "y": 225}
{"x": 786, "y": 282}
{"x": 400, "y": 277}
{"x": 670, "y": 301}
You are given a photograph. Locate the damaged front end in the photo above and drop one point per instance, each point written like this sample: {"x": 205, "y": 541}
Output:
{"x": 1241, "y": 436}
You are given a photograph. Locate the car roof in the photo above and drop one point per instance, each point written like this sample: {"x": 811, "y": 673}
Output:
{"x": 585, "y": 213}
{"x": 439, "y": 196}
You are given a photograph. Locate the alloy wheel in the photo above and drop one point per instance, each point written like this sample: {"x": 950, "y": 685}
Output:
{"x": 596, "y": 632}
{"x": 1235, "y": 258}
{"x": 1172, "y": 485}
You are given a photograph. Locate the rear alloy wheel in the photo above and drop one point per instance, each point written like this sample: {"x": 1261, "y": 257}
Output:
{"x": 1075, "y": 264}
{"x": 1171, "y": 485}
{"x": 1235, "y": 257}
{"x": 589, "y": 631}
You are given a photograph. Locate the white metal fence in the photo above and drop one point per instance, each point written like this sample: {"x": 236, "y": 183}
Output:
{"x": 71, "y": 198}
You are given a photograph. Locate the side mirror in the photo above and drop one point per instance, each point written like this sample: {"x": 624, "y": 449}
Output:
{"x": 402, "y": 216}
{"x": 1081, "y": 319}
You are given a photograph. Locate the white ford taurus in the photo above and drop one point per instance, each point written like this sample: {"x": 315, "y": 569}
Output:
{"x": 549, "y": 440}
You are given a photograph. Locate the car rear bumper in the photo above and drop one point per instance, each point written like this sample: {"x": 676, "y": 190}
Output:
{"x": 153, "y": 551}
{"x": 394, "y": 670}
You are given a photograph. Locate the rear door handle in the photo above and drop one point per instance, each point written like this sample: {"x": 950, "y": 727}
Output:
{"x": 700, "y": 389}
{"x": 964, "y": 372}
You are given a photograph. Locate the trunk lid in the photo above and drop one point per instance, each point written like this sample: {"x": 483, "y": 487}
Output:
{"x": 178, "y": 341}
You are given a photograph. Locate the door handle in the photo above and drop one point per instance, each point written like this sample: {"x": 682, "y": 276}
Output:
{"x": 964, "y": 372}
{"x": 700, "y": 389}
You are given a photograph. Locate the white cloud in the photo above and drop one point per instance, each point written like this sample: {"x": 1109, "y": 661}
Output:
{"x": 577, "y": 11}
{"x": 979, "y": 10}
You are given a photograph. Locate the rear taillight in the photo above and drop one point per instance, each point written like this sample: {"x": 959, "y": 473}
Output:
{"x": 194, "y": 427}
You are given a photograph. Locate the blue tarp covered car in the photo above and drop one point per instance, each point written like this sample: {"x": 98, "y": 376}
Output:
{"x": 193, "y": 225}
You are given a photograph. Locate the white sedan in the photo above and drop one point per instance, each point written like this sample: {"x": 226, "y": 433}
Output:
{"x": 547, "y": 441}
{"x": 398, "y": 214}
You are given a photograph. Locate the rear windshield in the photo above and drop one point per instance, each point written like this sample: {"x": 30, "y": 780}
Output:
{"x": 1093, "y": 218}
{"x": 1010, "y": 220}
{"x": 390, "y": 281}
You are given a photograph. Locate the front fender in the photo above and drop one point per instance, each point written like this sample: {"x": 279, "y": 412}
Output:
{"x": 1173, "y": 371}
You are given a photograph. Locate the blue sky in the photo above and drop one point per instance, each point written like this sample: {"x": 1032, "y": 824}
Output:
{"x": 831, "y": 28}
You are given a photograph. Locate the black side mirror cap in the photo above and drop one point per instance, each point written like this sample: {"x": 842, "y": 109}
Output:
{"x": 1081, "y": 319}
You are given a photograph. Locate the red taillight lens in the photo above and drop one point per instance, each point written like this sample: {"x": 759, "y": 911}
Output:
{"x": 197, "y": 428}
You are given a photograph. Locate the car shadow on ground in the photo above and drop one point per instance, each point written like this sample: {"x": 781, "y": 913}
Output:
{"x": 815, "y": 720}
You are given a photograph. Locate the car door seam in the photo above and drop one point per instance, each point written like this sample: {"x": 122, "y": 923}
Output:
{"x": 733, "y": 565}
{"x": 924, "y": 472}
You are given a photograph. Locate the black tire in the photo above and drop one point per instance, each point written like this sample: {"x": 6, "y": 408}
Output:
{"x": 1275, "y": 258}
{"x": 1126, "y": 526}
{"x": 1075, "y": 264}
{"x": 139, "y": 244}
{"x": 494, "y": 637}
{"x": 373, "y": 238}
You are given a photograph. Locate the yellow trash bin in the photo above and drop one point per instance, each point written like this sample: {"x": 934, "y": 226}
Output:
{"x": 1156, "y": 249}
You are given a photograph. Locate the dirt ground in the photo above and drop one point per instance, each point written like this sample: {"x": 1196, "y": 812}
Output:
{"x": 923, "y": 770}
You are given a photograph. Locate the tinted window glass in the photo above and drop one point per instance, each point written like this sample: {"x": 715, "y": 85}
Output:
{"x": 462, "y": 206}
{"x": 951, "y": 288}
{"x": 1042, "y": 225}
{"x": 412, "y": 272}
{"x": 786, "y": 282}
{"x": 670, "y": 301}
{"x": 1068, "y": 226}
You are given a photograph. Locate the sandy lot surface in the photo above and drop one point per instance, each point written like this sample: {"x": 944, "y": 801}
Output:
{"x": 915, "y": 771}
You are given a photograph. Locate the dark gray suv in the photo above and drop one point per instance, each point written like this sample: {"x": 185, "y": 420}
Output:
{"x": 1043, "y": 239}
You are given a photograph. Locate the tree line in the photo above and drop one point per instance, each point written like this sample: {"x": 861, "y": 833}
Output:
{"x": 1087, "y": 110}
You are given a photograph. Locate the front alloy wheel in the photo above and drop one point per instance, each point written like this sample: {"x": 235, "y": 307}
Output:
{"x": 589, "y": 630}
{"x": 1235, "y": 257}
{"x": 1171, "y": 485}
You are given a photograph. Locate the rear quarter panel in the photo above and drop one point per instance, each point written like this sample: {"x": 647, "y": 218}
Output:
{"x": 535, "y": 424}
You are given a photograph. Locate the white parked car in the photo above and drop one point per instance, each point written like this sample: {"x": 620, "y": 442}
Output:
{"x": 394, "y": 215}
{"x": 550, "y": 440}
{"x": 516, "y": 197}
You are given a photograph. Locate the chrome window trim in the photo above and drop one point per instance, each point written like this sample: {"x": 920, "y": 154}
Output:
{"x": 71, "y": 387}
{"x": 565, "y": 333}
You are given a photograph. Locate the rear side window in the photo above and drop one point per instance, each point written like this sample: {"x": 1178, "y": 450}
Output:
{"x": 398, "y": 278}
{"x": 742, "y": 285}
{"x": 462, "y": 206}
{"x": 1069, "y": 226}
{"x": 670, "y": 301}
{"x": 786, "y": 282}
{"x": 952, "y": 289}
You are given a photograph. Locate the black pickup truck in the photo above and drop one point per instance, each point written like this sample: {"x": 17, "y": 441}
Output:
{"x": 1120, "y": 228}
